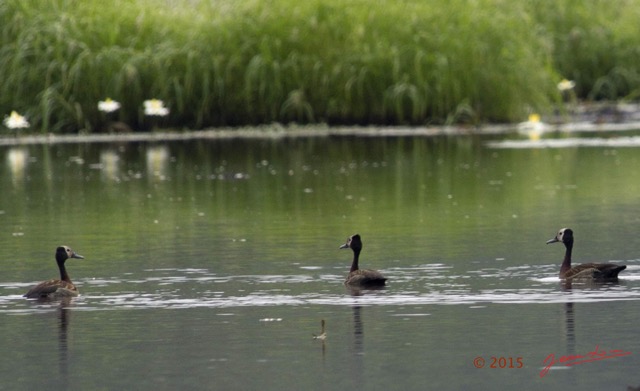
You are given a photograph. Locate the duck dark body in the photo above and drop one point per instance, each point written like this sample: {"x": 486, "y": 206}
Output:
{"x": 57, "y": 288}
{"x": 585, "y": 271}
{"x": 361, "y": 277}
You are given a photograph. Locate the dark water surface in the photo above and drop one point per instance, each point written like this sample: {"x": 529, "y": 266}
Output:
{"x": 210, "y": 263}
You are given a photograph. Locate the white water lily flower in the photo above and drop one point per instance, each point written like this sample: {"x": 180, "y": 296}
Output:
{"x": 108, "y": 105}
{"x": 566, "y": 85}
{"x": 16, "y": 121}
{"x": 533, "y": 128}
{"x": 155, "y": 107}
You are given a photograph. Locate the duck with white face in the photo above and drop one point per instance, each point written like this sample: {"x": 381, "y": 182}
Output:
{"x": 361, "y": 277}
{"x": 63, "y": 287}
{"x": 585, "y": 271}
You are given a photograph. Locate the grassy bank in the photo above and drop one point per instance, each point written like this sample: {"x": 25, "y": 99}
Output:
{"x": 242, "y": 62}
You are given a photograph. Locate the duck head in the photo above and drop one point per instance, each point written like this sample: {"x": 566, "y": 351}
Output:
{"x": 63, "y": 253}
{"x": 565, "y": 235}
{"x": 353, "y": 242}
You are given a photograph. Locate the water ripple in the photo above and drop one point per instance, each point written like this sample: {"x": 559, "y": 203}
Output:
{"x": 263, "y": 299}
{"x": 198, "y": 288}
{"x": 613, "y": 142}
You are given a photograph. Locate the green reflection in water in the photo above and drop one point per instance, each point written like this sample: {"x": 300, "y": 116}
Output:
{"x": 247, "y": 216}
{"x": 244, "y": 203}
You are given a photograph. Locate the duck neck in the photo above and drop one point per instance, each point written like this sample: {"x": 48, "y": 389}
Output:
{"x": 354, "y": 264}
{"x": 63, "y": 272}
{"x": 566, "y": 264}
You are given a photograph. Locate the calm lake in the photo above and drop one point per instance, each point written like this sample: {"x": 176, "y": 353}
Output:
{"x": 209, "y": 264}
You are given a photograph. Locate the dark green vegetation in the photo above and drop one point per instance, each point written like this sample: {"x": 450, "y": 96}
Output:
{"x": 243, "y": 62}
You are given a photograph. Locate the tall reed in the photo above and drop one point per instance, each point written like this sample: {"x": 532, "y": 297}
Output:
{"x": 239, "y": 62}
{"x": 596, "y": 44}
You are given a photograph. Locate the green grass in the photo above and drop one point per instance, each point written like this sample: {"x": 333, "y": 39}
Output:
{"x": 594, "y": 43}
{"x": 244, "y": 62}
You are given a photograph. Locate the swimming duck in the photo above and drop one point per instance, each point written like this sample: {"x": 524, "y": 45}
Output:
{"x": 57, "y": 288}
{"x": 361, "y": 277}
{"x": 591, "y": 271}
